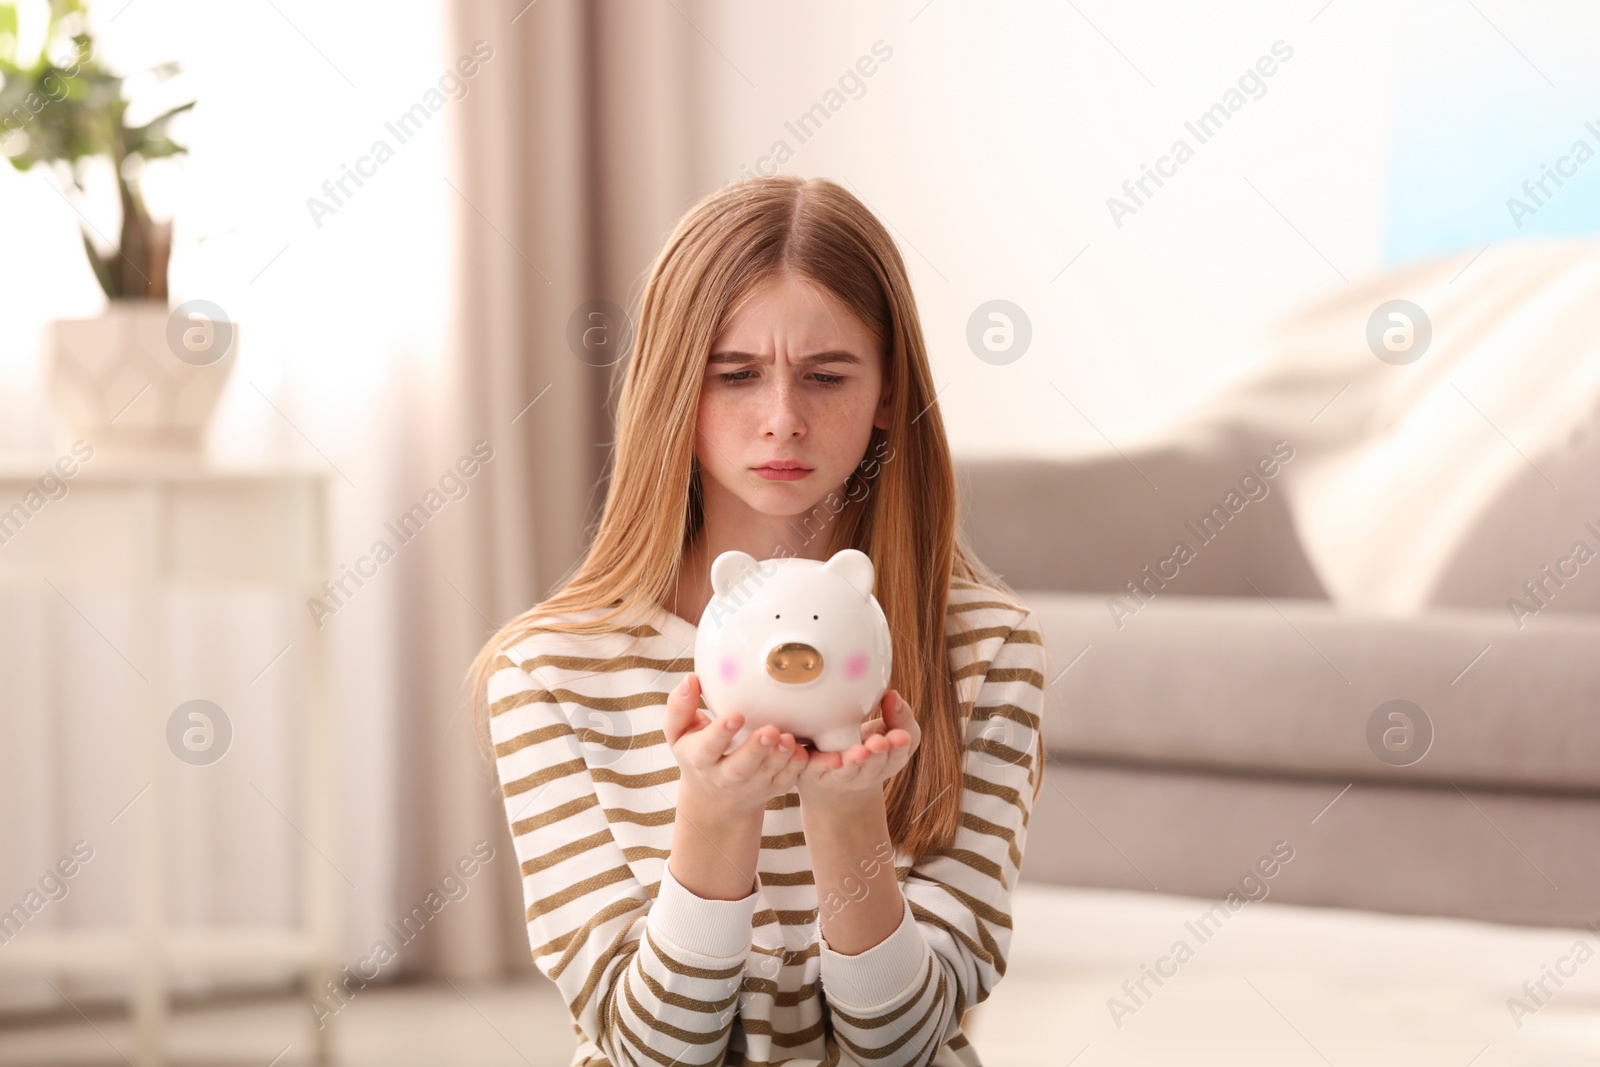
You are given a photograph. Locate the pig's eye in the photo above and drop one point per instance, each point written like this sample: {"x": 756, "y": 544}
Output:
{"x": 813, "y": 616}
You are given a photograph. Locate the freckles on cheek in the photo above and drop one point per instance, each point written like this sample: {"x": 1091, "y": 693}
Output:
{"x": 720, "y": 421}
{"x": 711, "y": 431}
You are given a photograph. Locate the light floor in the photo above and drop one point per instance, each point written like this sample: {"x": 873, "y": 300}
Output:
{"x": 1275, "y": 984}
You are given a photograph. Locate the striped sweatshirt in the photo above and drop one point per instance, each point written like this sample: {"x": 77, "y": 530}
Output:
{"x": 654, "y": 974}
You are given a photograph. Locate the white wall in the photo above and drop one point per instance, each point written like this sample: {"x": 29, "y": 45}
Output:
{"x": 993, "y": 136}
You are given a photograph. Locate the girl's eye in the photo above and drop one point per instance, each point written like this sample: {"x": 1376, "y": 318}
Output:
{"x": 737, "y": 377}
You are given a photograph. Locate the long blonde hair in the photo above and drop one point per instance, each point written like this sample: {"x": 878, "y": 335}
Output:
{"x": 725, "y": 247}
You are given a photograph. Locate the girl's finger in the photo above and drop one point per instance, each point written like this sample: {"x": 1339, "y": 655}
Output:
{"x": 827, "y": 761}
{"x": 873, "y": 766}
{"x": 857, "y": 754}
{"x": 708, "y": 745}
{"x": 778, "y": 753}
{"x": 847, "y": 776}
{"x": 799, "y": 761}
{"x": 682, "y": 706}
{"x": 746, "y": 760}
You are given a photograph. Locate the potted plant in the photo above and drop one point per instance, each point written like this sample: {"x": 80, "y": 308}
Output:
{"x": 139, "y": 377}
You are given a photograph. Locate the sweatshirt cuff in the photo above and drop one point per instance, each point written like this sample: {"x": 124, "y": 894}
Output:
{"x": 882, "y": 974}
{"x": 716, "y": 928}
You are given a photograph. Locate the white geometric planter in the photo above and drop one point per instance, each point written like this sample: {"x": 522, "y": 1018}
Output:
{"x": 141, "y": 380}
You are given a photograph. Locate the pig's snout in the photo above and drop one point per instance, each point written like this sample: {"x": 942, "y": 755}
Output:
{"x": 793, "y": 662}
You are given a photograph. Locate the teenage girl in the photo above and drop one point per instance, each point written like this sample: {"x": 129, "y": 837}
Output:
{"x": 773, "y": 903}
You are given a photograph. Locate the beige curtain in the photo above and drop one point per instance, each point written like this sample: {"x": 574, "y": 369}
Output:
{"x": 571, "y": 158}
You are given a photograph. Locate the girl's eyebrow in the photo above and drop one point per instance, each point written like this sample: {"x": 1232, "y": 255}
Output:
{"x": 804, "y": 361}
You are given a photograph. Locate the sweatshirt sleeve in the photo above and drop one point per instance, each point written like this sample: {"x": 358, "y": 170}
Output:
{"x": 903, "y": 999}
{"x": 649, "y": 981}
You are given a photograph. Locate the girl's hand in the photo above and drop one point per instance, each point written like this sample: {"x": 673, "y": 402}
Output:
{"x": 845, "y": 779}
{"x": 766, "y": 765}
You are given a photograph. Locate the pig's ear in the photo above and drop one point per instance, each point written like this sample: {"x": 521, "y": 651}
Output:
{"x": 729, "y": 569}
{"x": 855, "y": 567}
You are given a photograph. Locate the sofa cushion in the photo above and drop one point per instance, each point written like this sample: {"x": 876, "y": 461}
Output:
{"x": 1290, "y": 687}
{"x": 1483, "y": 854}
{"x": 1098, "y": 523}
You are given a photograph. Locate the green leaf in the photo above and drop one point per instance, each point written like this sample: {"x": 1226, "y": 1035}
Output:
{"x": 156, "y": 128}
{"x": 161, "y": 148}
{"x": 8, "y": 33}
{"x": 83, "y": 116}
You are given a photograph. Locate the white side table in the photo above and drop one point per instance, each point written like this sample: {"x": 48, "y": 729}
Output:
{"x": 144, "y": 530}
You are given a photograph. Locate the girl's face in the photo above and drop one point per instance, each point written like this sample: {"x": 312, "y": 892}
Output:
{"x": 794, "y": 378}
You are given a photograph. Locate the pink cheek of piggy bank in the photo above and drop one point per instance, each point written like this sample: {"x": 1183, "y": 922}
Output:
{"x": 855, "y": 665}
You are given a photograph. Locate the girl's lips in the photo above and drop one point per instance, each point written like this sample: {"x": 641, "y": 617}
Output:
{"x": 781, "y": 474}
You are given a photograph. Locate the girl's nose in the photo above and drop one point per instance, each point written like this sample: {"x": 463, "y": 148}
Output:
{"x": 783, "y": 416}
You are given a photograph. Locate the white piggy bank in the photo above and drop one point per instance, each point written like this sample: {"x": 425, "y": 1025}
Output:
{"x": 798, "y": 643}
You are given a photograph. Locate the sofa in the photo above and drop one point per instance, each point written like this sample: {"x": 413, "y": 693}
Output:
{"x": 1345, "y": 610}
